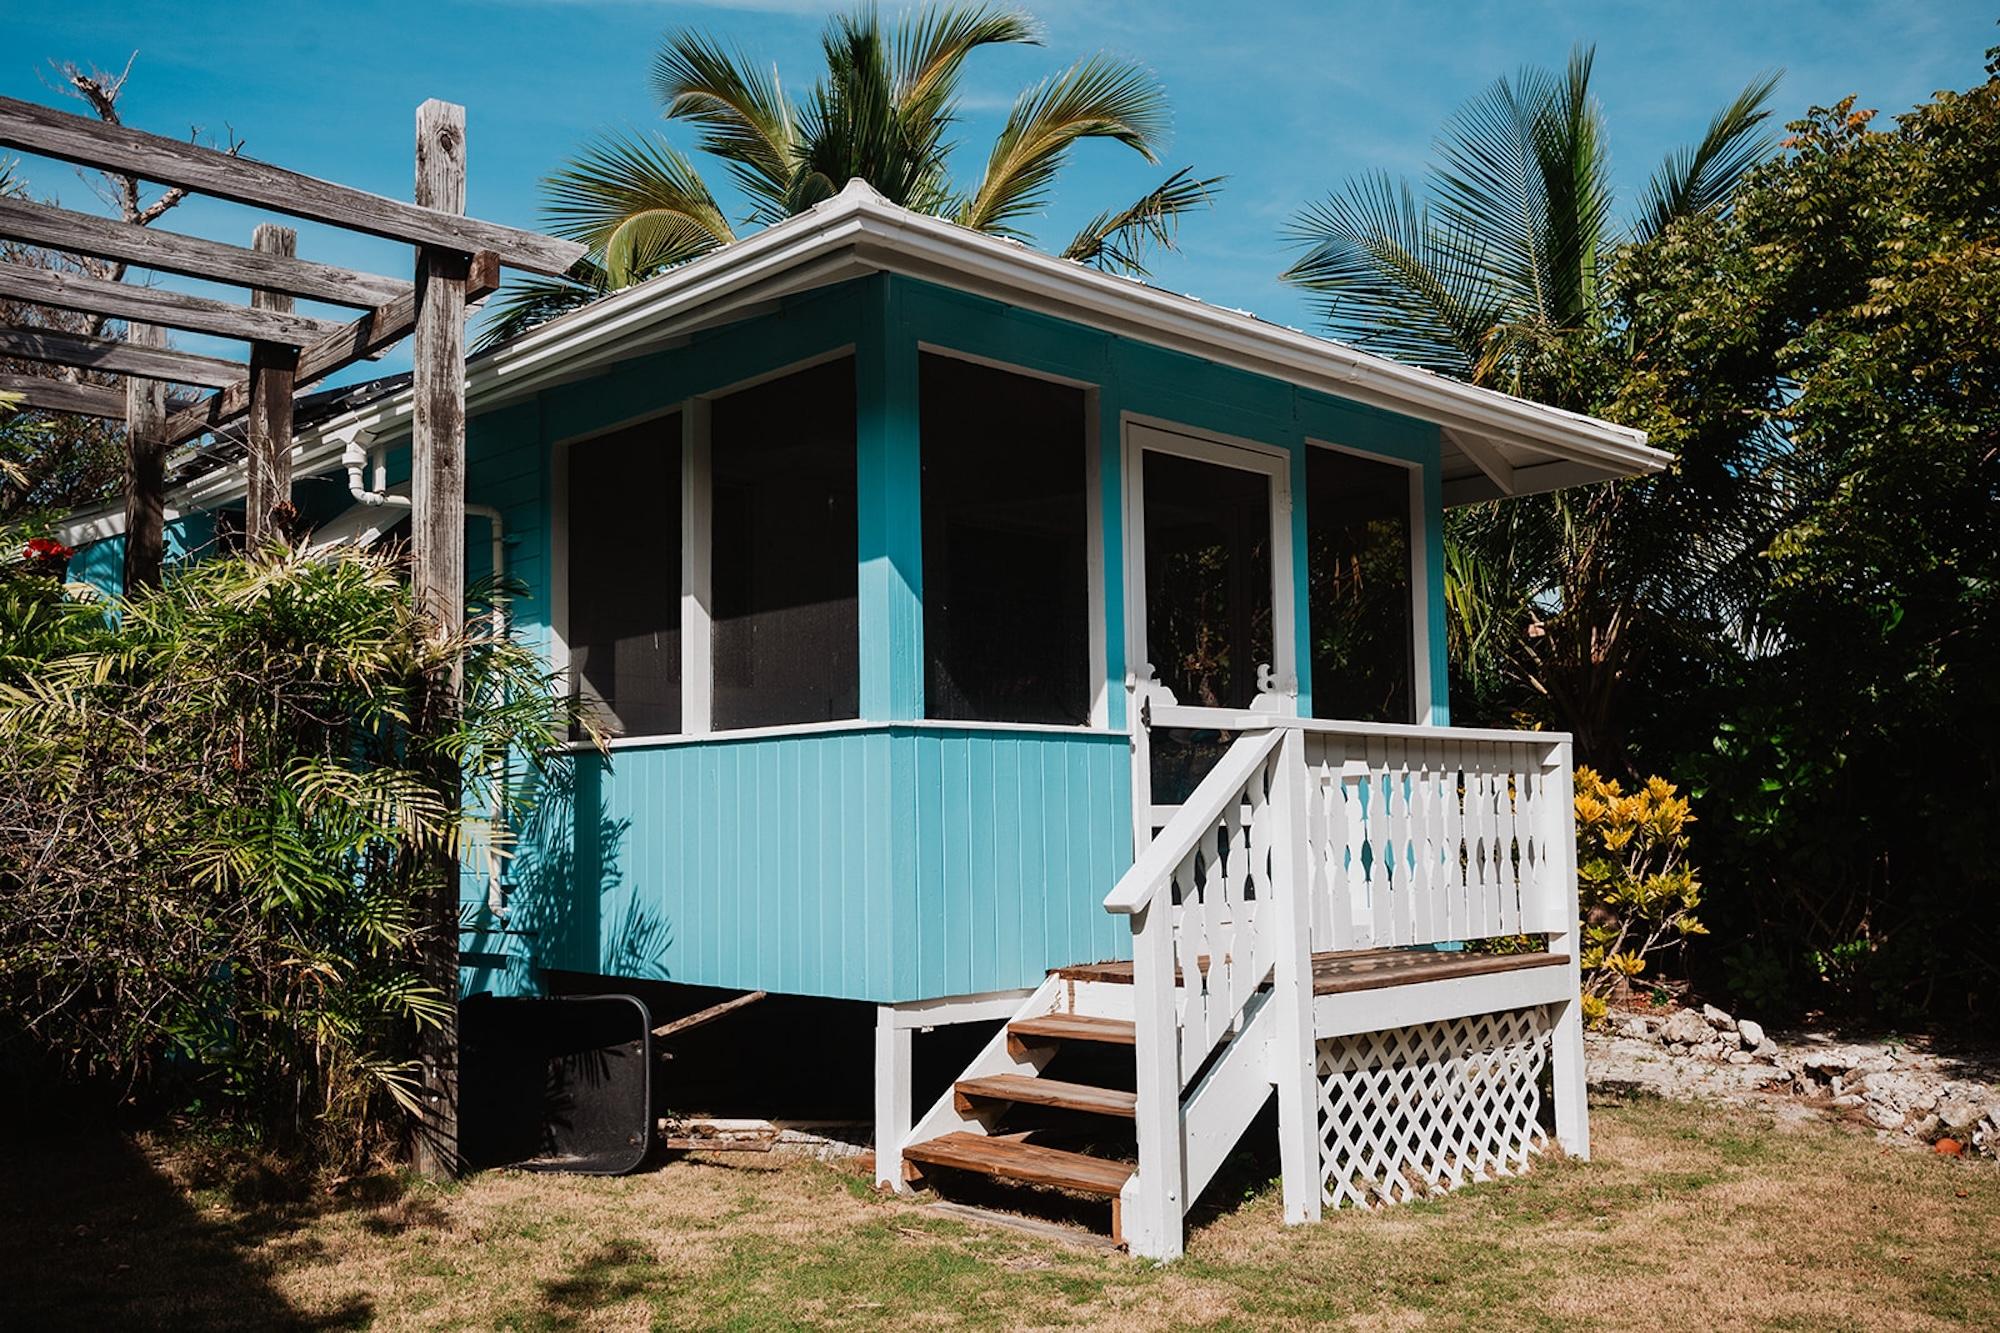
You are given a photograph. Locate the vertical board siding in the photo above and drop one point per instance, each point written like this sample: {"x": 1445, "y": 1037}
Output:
{"x": 1021, "y": 834}
{"x": 773, "y": 863}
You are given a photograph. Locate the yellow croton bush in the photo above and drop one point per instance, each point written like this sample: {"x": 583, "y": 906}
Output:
{"x": 1639, "y": 893}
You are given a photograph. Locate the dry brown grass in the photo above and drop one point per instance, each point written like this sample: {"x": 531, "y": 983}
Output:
{"x": 1691, "y": 1217}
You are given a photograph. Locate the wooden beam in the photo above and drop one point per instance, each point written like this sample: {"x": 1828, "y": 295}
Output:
{"x": 708, "y": 1015}
{"x": 268, "y": 468}
{"x": 117, "y": 358}
{"x": 38, "y": 129}
{"x": 366, "y": 336}
{"x": 154, "y": 305}
{"x": 84, "y": 400}
{"x": 437, "y": 583}
{"x": 145, "y": 469}
{"x": 191, "y": 256}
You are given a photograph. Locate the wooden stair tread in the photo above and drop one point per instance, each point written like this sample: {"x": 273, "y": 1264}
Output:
{"x": 1029, "y": 1163}
{"x": 1075, "y": 1027}
{"x": 1032, "y": 1091}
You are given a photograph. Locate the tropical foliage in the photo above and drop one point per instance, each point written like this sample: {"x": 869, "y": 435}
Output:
{"x": 217, "y": 827}
{"x": 1508, "y": 276}
{"x": 882, "y": 111}
{"x": 1638, "y": 889}
{"x": 1799, "y": 618}
{"x": 1855, "y": 753}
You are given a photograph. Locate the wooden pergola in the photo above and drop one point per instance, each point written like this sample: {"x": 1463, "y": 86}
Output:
{"x": 458, "y": 259}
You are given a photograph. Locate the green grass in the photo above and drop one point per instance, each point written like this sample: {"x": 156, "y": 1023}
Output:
{"x": 1690, "y": 1217}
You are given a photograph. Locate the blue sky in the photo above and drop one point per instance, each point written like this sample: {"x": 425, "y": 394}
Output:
{"x": 1288, "y": 99}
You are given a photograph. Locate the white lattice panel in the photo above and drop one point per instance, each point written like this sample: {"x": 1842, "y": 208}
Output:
{"x": 1413, "y": 1111}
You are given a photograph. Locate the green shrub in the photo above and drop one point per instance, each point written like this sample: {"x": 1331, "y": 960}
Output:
{"x": 216, "y": 827}
{"x": 1637, "y": 889}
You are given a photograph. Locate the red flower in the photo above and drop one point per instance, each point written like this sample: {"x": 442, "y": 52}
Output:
{"x": 47, "y": 555}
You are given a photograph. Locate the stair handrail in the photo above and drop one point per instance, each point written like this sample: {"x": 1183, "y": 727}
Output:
{"x": 1195, "y": 818}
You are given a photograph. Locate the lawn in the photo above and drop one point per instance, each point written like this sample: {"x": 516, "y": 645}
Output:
{"x": 1691, "y": 1217}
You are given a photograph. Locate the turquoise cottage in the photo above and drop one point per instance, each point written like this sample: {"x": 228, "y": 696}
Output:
{"x": 934, "y": 590}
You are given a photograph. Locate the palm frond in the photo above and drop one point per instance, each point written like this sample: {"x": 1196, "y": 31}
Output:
{"x": 740, "y": 111}
{"x": 1573, "y": 163}
{"x": 850, "y": 127}
{"x": 1702, "y": 176}
{"x": 528, "y": 301}
{"x": 638, "y": 204}
{"x": 1392, "y": 276}
{"x": 931, "y": 46}
{"x": 1097, "y": 98}
{"x": 1523, "y": 176}
{"x": 1119, "y": 240}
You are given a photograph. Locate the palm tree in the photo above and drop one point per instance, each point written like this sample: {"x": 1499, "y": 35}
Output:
{"x": 1501, "y": 278}
{"x": 1511, "y": 254}
{"x": 882, "y": 112}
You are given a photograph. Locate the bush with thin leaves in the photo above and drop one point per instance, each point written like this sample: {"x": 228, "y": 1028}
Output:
{"x": 216, "y": 824}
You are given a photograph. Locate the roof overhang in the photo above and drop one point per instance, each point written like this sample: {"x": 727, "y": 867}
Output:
{"x": 1493, "y": 444}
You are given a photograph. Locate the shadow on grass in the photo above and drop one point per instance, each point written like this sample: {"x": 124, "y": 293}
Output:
{"x": 615, "y": 1271}
{"x": 92, "y": 1235}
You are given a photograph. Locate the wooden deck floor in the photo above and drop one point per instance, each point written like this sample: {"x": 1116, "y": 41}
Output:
{"x": 1368, "y": 969}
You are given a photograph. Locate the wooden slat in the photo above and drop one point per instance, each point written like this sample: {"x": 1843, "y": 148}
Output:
{"x": 117, "y": 358}
{"x": 1031, "y": 1091}
{"x": 192, "y": 256}
{"x": 364, "y": 337}
{"x": 84, "y": 400}
{"x": 1342, "y": 974}
{"x": 154, "y": 305}
{"x": 1074, "y": 1027}
{"x": 91, "y": 143}
{"x": 1030, "y": 1163}
{"x": 708, "y": 1015}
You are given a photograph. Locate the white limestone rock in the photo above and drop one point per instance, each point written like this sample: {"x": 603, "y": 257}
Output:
{"x": 1717, "y": 1019}
{"x": 1750, "y": 1033}
{"x": 1684, "y": 1027}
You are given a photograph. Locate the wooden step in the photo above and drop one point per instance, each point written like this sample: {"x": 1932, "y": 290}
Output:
{"x": 1010, "y": 1159}
{"x": 1073, "y": 1027}
{"x": 1031, "y": 1091}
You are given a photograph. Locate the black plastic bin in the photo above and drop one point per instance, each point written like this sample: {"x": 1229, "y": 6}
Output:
{"x": 558, "y": 1084}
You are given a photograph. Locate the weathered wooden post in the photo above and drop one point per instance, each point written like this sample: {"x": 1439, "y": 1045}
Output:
{"x": 273, "y": 372}
{"x": 437, "y": 528}
{"x": 145, "y": 467}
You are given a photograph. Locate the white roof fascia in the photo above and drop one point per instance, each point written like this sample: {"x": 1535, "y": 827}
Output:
{"x": 857, "y": 231}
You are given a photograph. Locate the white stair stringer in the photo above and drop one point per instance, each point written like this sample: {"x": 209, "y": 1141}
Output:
{"x": 1217, "y": 1110}
{"x": 998, "y": 1056}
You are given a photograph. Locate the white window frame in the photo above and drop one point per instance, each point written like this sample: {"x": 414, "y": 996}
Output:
{"x": 1093, "y": 501}
{"x": 559, "y": 636}
{"x": 697, "y": 545}
{"x": 1420, "y": 620}
{"x": 1274, "y": 462}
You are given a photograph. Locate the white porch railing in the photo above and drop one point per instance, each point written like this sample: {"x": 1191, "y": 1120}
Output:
{"x": 1313, "y": 836}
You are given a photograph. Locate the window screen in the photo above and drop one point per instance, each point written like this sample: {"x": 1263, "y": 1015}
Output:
{"x": 786, "y": 647}
{"x": 1358, "y": 566}
{"x": 1006, "y": 586}
{"x": 624, "y": 526}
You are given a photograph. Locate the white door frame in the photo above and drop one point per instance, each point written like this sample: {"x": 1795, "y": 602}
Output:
{"x": 1275, "y": 464}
